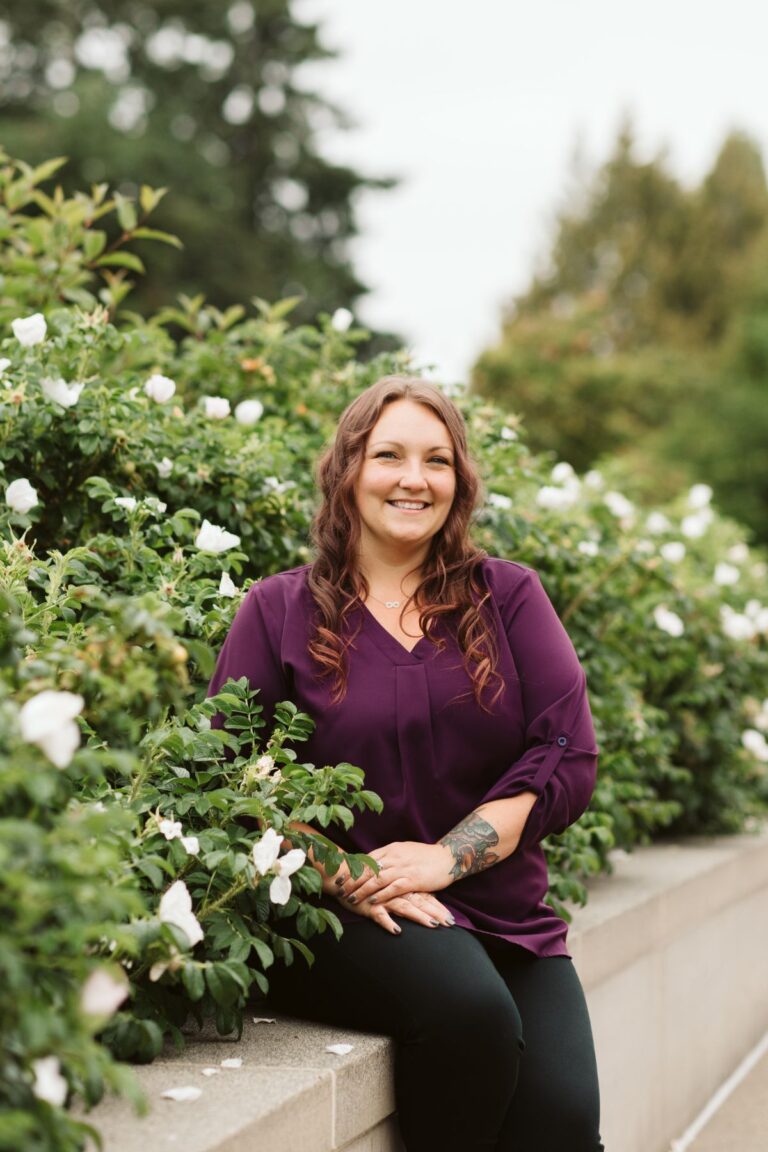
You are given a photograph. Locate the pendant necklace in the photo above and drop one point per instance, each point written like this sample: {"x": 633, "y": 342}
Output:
{"x": 385, "y": 603}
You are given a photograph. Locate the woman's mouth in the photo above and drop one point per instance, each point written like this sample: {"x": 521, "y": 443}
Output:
{"x": 409, "y": 505}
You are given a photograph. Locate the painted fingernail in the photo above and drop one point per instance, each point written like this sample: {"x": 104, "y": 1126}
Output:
{"x": 434, "y": 923}
{"x": 352, "y": 899}
{"x": 451, "y": 921}
{"x": 397, "y": 929}
{"x": 373, "y": 900}
{"x": 339, "y": 881}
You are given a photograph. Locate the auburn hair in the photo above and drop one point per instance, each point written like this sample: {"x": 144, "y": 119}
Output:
{"x": 451, "y": 586}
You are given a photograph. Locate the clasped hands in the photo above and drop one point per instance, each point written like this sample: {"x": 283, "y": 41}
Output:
{"x": 409, "y": 872}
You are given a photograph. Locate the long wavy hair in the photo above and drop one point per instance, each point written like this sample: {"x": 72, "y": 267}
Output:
{"x": 451, "y": 585}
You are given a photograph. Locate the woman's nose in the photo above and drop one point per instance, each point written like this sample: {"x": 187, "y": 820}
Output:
{"x": 412, "y": 475}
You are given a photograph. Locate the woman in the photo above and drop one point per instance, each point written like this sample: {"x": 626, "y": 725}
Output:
{"x": 446, "y": 676}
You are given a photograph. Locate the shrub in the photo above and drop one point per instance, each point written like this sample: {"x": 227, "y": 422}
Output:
{"x": 138, "y": 504}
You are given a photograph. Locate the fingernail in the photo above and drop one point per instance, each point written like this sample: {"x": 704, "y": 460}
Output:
{"x": 434, "y": 923}
{"x": 397, "y": 929}
{"x": 373, "y": 900}
{"x": 352, "y": 899}
{"x": 451, "y": 921}
{"x": 340, "y": 893}
{"x": 339, "y": 880}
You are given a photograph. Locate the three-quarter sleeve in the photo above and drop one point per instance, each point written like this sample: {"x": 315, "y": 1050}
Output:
{"x": 252, "y": 649}
{"x": 560, "y": 757}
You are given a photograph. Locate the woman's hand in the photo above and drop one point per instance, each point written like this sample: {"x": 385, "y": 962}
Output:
{"x": 421, "y": 907}
{"x": 404, "y": 867}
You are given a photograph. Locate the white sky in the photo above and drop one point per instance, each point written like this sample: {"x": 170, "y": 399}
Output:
{"x": 478, "y": 108}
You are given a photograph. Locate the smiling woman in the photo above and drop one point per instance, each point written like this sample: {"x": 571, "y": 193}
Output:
{"x": 446, "y": 676}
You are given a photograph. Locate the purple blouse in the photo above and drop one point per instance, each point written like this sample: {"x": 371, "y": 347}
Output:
{"x": 410, "y": 720}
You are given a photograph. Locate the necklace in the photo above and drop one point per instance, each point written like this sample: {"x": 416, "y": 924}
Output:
{"x": 385, "y": 603}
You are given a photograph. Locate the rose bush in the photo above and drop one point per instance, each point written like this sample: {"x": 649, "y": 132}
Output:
{"x": 150, "y": 469}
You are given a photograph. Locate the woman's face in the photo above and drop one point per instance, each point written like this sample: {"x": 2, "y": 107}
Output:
{"x": 407, "y": 481}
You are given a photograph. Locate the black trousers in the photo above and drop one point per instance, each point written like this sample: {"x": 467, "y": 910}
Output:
{"x": 493, "y": 1045}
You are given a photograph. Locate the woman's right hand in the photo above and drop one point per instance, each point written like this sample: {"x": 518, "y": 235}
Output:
{"x": 421, "y": 907}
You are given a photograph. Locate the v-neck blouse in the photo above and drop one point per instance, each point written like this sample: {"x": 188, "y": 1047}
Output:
{"x": 410, "y": 721}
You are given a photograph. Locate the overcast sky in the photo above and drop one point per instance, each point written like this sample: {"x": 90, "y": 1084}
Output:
{"x": 478, "y": 109}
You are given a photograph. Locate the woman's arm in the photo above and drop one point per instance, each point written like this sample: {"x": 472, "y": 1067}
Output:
{"x": 487, "y": 835}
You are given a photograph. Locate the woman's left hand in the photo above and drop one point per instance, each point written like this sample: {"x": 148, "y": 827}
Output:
{"x": 404, "y": 866}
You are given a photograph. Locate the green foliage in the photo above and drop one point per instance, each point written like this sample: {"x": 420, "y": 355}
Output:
{"x": 209, "y": 99}
{"x": 134, "y": 857}
{"x": 642, "y": 339}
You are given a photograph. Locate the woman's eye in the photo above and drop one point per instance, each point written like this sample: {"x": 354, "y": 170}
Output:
{"x": 384, "y": 455}
{"x": 440, "y": 460}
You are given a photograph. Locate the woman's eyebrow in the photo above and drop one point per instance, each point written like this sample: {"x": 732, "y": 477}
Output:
{"x": 397, "y": 444}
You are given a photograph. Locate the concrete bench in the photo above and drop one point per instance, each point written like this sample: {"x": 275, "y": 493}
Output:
{"x": 670, "y": 950}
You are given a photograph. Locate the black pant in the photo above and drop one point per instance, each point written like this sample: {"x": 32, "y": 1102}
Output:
{"x": 493, "y": 1045}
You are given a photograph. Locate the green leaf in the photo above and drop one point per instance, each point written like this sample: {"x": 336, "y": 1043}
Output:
{"x": 121, "y": 260}
{"x": 194, "y": 981}
{"x": 154, "y": 234}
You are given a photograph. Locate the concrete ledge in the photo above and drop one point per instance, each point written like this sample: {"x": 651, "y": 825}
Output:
{"x": 669, "y": 950}
{"x": 671, "y": 953}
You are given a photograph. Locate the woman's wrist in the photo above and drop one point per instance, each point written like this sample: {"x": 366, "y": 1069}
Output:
{"x": 471, "y": 846}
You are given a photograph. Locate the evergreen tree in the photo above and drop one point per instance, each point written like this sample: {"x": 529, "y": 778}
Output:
{"x": 645, "y": 335}
{"x": 206, "y": 99}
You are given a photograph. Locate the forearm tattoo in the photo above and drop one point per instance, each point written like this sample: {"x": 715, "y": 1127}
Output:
{"x": 471, "y": 843}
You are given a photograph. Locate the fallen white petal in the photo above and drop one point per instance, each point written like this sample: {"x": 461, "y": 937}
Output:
{"x": 232, "y": 1062}
{"x": 210, "y": 1071}
{"x": 339, "y": 1049}
{"x": 182, "y": 1095}
{"x": 264, "y": 1020}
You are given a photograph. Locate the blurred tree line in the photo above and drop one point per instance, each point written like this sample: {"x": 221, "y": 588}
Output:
{"x": 646, "y": 337}
{"x": 208, "y": 100}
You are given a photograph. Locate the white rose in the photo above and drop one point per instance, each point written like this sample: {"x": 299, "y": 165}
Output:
{"x": 164, "y": 467}
{"x": 216, "y": 407}
{"x": 127, "y": 502}
{"x": 102, "y": 994}
{"x": 48, "y": 720}
{"x": 341, "y": 320}
{"x": 160, "y": 388}
{"x": 726, "y": 574}
{"x": 497, "y": 500}
{"x": 20, "y": 496}
{"x": 673, "y": 552}
{"x": 30, "y": 330}
{"x": 555, "y": 498}
{"x": 249, "y": 411}
{"x": 755, "y": 743}
{"x": 508, "y": 433}
{"x": 588, "y": 548}
{"x": 735, "y": 625}
{"x": 155, "y": 505}
{"x": 176, "y": 909}
{"x": 63, "y": 394}
{"x": 695, "y": 525}
{"x": 213, "y": 538}
{"x": 280, "y": 888}
{"x": 618, "y": 505}
{"x": 171, "y": 829}
{"x": 562, "y": 472}
{"x": 594, "y": 479}
{"x": 699, "y": 496}
{"x": 191, "y": 845}
{"x": 49, "y": 1083}
{"x": 226, "y": 585}
{"x": 668, "y": 622}
{"x": 657, "y": 523}
{"x": 266, "y": 851}
{"x": 4, "y": 363}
